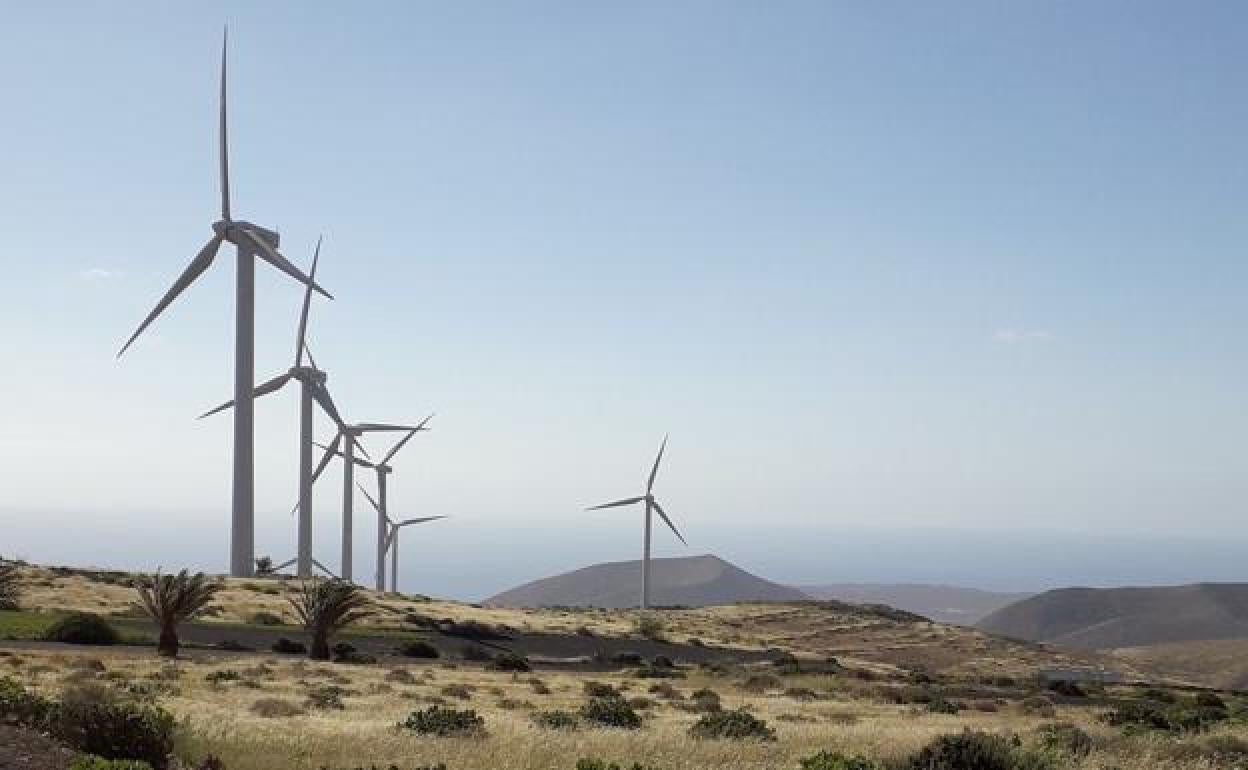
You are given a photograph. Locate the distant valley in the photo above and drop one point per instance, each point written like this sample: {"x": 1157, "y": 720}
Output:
{"x": 947, "y": 604}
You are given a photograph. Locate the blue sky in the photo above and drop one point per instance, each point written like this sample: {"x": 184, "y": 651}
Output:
{"x": 879, "y": 268}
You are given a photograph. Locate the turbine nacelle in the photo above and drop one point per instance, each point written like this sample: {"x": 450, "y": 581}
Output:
{"x": 229, "y": 229}
{"x": 309, "y": 373}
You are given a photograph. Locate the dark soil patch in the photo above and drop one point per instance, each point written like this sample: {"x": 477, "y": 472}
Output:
{"x": 27, "y": 750}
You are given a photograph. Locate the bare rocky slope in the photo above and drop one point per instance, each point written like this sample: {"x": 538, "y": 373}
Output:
{"x": 1107, "y": 618}
{"x": 695, "y": 581}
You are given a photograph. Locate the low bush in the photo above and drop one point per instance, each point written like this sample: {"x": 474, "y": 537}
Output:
{"x": 509, "y": 661}
{"x": 418, "y": 649}
{"x": 440, "y": 721}
{"x": 82, "y": 628}
{"x": 589, "y": 763}
{"x": 650, "y": 626}
{"x": 475, "y": 653}
{"x": 1068, "y": 689}
{"x": 95, "y": 721}
{"x": 276, "y": 708}
{"x": 400, "y": 676}
{"x": 284, "y": 646}
{"x": 827, "y": 760}
{"x": 232, "y": 645}
{"x": 266, "y": 619}
{"x": 974, "y": 750}
{"x": 461, "y": 691}
{"x": 627, "y": 658}
{"x": 1039, "y": 706}
{"x": 732, "y": 725}
{"x": 760, "y": 683}
{"x": 224, "y": 675}
{"x": 1065, "y": 738}
{"x": 595, "y": 689}
{"x": 556, "y": 720}
{"x": 327, "y": 697}
{"x": 665, "y": 691}
{"x": 610, "y": 712}
{"x": 938, "y": 705}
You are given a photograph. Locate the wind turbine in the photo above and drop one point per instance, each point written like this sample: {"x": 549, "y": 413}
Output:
{"x": 250, "y": 241}
{"x": 651, "y": 505}
{"x": 313, "y": 388}
{"x": 392, "y": 538}
{"x": 382, "y": 469}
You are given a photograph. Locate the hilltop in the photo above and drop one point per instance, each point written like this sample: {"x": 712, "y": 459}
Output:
{"x": 947, "y": 604}
{"x": 1106, "y": 618}
{"x": 694, "y": 581}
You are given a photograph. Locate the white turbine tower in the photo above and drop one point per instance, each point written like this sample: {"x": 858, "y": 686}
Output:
{"x": 250, "y": 241}
{"x": 651, "y": 505}
{"x": 313, "y": 388}
{"x": 392, "y": 536}
{"x": 382, "y": 469}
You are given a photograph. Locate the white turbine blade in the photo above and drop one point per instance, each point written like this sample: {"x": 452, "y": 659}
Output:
{"x": 655, "y": 470}
{"x": 376, "y": 507}
{"x": 284, "y": 564}
{"x": 270, "y": 255}
{"x": 324, "y": 569}
{"x": 373, "y": 427}
{"x": 197, "y": 267}
{"x": 224, "y": 148}
{"x": 617, "y": 503}
{"x": 395, "y": 450}
{"x": 263, "y": 389}
{"x": 659, "y": 509}
{"x": 422, "y": 520}
{"x": 356, "y": 460}
{"x": 330, "y": 451}
{"x": 301, "y": 339}
{"x": 321, "y": 394}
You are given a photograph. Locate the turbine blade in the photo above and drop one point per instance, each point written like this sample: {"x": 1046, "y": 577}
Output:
{"x": 321, "y": 394}
{"x": 395, "y": 450}
{"x": 270, "y": 255}
{"x": 301, "y": 339}
{"x": 261, "y": 390}
{"x": 360, "y": 447}
{"x": 198, "y": 265}
{"x": 655, "y": 470}
{"x": 338, "y": 452}
{"x": 373, "y": 427}
{"x": 376, "y": 507}
{"x": 421, "y": 520}
{"x": 330, "y": 451}
{"x": 224, "y": 148}
{"x": 284, "y": 564}
{"x": 617, "y": 503}
{"x": 308, "y": 349}
{"x": 659, "y": 509}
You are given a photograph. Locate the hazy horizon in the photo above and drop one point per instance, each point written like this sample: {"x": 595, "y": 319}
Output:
{"x": 894, "y": 269}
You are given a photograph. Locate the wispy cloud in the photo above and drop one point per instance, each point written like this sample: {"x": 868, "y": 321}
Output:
{"x": 97, "y": 274}
{"x": 1020, "y": 336}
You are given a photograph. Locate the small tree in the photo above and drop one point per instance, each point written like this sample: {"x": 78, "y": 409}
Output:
{"x": 171, "y": 600}
{"x": 325, "y": 607}
{"x": 9, "y": 590}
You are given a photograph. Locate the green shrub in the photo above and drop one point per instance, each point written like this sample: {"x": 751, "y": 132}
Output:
{"x": 264, "y": 618}
{"x": 20, "y": 706}
{"x": 595, "y": 689}
{"x": 1066, "y": 738}
{"x": 509, "y": 661}
{"x": 973, "y": 751}
{"x": 284, "y": 646}
{"x": 556, "y": 720}
{"x": 418, "y": 649}
{"x": 938, "y": 705}
{"x": 610, "y": 712}
{"x": 345, "y": 652}
{"x": 437, "y": 720}
{"x": 93, "y": 722}
{"x": 650, "y": 627}
{"x": 224, "y": 675}
{"x": 827, "y": 760}
{"x": 326, "y": 697}
{"x": 82, "y": 628}
{"x": 733, "y": 725}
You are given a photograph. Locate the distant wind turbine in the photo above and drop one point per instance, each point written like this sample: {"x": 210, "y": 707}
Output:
{"x": 651, "y": 504}
{"x": 250, "y": 241}
{"x": 382, "y": 469}
{"x": 313, "y": 388}
{"x": 392, "y": 537}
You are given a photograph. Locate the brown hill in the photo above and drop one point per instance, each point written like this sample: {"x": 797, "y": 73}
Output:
{"x": 947, "y": 604}
{"x": 695, "y": 581}
{"x": 1104, "y": 618}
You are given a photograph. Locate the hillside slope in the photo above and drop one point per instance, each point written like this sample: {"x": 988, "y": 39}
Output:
{"x": 695, "y": 581}
{"x": 947, "y": 604}
{"x": 1103, "y": 618}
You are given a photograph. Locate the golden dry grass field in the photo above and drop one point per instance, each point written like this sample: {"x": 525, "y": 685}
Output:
{"x": 884, "y": 697}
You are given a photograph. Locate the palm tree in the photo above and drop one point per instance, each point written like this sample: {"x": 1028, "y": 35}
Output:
{"x": 325, "y": 607}
{"x": 171, "y": 600}
{"x": 8, "y": 586}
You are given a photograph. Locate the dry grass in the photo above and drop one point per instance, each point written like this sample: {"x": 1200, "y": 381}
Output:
{"x": 223, "y": 719}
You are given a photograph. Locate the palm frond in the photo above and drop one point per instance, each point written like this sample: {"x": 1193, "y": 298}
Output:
{"x": 329, "y": 606}
{"x": 173, "y": 599}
